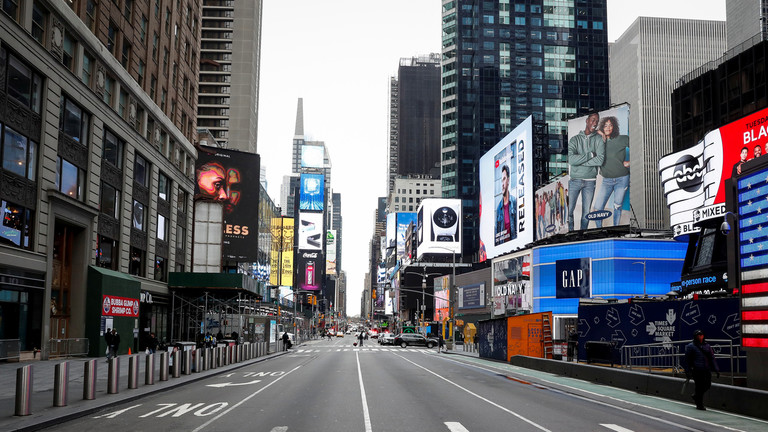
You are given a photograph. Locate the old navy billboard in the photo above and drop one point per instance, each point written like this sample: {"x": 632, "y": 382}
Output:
{"x": 506, "y": 193}
{"x": 232, "y": 178}
{"x": 694, "y": 179}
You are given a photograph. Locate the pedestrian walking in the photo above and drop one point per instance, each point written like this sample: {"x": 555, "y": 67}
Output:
{"x": 699, "y": 364}
{"x": 108, "y": 340}
{"x": 440, "y": 343}
{"x": 287, "y": 341}
{"x": 152, "y": 343}
{"x": 114, "y": 343}
{"x": 360, "y": 337}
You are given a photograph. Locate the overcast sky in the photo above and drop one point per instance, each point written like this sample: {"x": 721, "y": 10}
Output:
{"x": 338, "y": 55}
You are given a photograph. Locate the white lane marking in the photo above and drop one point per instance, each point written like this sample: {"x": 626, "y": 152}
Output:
{"x": 456, "y": 427}
{"x": 616, "y": 428}
{"x": 366, "y": 415}
{"x": 279, "y": 429}
{"x": 230, "y": 384}
{"x": 337, "y": 350}
{"x": 246, "y": 399}
{"x": 530, "y": 422}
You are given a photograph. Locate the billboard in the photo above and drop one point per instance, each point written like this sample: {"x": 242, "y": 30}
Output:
{"x": 442, "y": 287}
{"x": 597, "y": 192}
{"x": 330, "y": 252}
{"x": 694, "y": 178}
{"x": 312, "y": 156}
{"x": 572, "y": 278}
{"x": 311, "y": 192}
{"x": 403, "y": 220}
{"x": 552, "y": 209}
{"x": 232, "y": 178}
{"x": 512, "y": 287}
{"x": 310, "y": 231}
{"x": 391, "y": 228}
{"x": 439, "y": 226}
{"x": 309, "y": 268}
{"x": 506, "y": 189}
{"x": 286, "y": 256}
{"x": 472, "y": 296}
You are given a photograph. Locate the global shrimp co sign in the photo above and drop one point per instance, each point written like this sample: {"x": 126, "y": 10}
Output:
{"x": 119, "y": 306}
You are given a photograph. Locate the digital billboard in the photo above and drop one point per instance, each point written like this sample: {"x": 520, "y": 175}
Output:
{"x": 506, "y": 193}
{"x": 330, "y": 252}
{"x": 311, "y": 192}
{"x": 512, "y": 288}
{"x": 391, "y": 229}
{"x": 598, "y": 166}
{"x": 552, "y": 209}
{"x": 442, "y": 287}
{"x": 310, "y": 269}
{"x": 403, "y": 220}
{"x": 312, "y": 156}
{"x": 311, "y": 232}
{"x": 232, "y": 178}
{"x": 439, "y": 227}
{"x": 286, "y": 255}
{"x": 694, "y": 179}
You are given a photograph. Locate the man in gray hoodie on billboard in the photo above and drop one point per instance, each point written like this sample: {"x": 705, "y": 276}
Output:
{"x": 586, "y": 152}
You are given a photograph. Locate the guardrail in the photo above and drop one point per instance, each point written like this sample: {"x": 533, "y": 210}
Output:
{"x": 71, "y": 347}
{"x": 10, "y": 349}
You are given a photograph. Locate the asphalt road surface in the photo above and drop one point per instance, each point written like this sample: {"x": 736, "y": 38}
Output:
{"x": 332, "y": 386}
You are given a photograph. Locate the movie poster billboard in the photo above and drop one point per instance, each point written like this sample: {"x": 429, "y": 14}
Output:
{"x": 438, "y": 226}
{"x": 512, "y": 287}
{"x": 694, "y": 179}
{"x": 232, "y": 178}
{"x": 276, "y": 229}
{"x": 403, "y": 220}
{"x": 442, "y": 287}
{"x": 312, "y": 156}
{"x": 330, "y": 252}
{"x": 506, "y": 193}
{"x": 552, "y": 209}
{"x": 311, "y": 232}
{"x": 286, "y": 254}
{"x": 312, "y": 192}
{"x": 597, "y": 192}
{"x": 309, "y": 266}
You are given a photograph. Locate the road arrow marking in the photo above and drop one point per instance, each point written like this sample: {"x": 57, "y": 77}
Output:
{"x": 229, "y": 384}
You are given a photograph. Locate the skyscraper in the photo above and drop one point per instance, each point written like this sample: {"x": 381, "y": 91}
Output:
{"x": 415, "y": 122}
{"x": 504, "y": 61}
{"x": 230, "y": 55}
{"x": 646, "y": 63}
{"x": 746, "y": 19}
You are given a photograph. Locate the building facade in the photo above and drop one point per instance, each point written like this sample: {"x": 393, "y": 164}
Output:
{"x": 504, "y": 61}
{"x": 409, "y": 191}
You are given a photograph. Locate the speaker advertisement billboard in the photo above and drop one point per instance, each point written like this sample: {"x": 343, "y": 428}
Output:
{"x": 597, "y": 192}
{"x": 311, "y": 232}
{"x": 506, "y": 193}
{"x": 232, "y": 178}
{"x": 694, "y": 178}
{"x": 439, "y": 227}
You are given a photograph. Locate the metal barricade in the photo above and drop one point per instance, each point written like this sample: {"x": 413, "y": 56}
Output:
{"x": 10, "y": 349}
{"x": 71, "y": 347}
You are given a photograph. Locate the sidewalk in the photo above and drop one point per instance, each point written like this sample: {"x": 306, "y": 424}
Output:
{"x": 459, "y": 350}
{"x": 44, "y": 414}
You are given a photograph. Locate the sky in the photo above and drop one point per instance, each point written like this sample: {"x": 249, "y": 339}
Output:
{"x": 338, "y": 55}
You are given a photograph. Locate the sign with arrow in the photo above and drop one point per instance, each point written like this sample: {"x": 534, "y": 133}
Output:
{"x": 230, "y": 384}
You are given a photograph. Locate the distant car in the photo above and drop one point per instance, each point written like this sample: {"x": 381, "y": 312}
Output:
{"x": 415, "y": 339}
{"x": 339, "y": 334}
{"x": 373, "y": 333}
{"x": 387, "y": 339}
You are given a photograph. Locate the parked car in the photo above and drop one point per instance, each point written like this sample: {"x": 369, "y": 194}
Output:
{"x": 408, "y": 339}
{"x": 387, "y": 339}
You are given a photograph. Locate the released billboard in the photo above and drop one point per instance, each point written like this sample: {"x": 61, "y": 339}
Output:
{"x": 311, "y": 232}
{"x": 403, "y": 220}
{"x": 694, "y": 178}
{"x": 232, "y": 178}
{"x": 506, "y": 189}
{"x": 330, "y": 252}
{"x": 597, "y": 192}
{"x": 439, "y": 226}
{"x": 312, "y": 192}
{"x": 309, "y": 266}
{"x": 312, "y": 156}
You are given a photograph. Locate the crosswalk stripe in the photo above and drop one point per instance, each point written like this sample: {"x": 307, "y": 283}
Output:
{"x": 616, "y": 428}
{"x": 279, "y": 429}
{"x": 456, "y": 427}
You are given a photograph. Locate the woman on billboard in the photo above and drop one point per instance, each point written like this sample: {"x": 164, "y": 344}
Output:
{"x": 615, "y": 169}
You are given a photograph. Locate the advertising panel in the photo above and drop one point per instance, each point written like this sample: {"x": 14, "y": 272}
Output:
{"x": 232, "y": 178}
{"x": 310, "y": 274}
{"x": 442, "y": 287}
{"x": 694, "y": 178}
{"x": 276, "y": 229}
{"x": 472, "y": 296}
{"x": 391, "y": 229}
{"x": 119, "y": 306}
{"x": 330, "y": 252}
{"x": 598, "y": 164}
{"x": 573, "y": 278}
{"x": 506, "y": 189}
{"x": 312, "y": 156}
{"x": 312, "y": 192}
{"x": 286, "y": 255}
{"x": 552, "y": 208}
{"x": 311, "y": 231}
{"x": 389, "y": 303}
{"x": 512, "y": 289}
{"x": 403, "y": 220}
{"x": 439, "y": 226}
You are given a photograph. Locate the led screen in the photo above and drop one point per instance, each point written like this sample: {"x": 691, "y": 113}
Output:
{"x": 309, "y": 265}
{"x": 312, "y": 192}
{"x": 311, "y": 232}
{"x": 312, "y": 156}
{"x": 403, "y": 220}
{"x": 439, "y": 227}
{"x": 330, "y": 252}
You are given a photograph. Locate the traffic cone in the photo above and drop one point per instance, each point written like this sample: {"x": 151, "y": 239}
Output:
{"x": 129, "y": 351}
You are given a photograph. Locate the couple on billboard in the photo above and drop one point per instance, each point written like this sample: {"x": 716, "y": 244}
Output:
{"x": 598, "y": 149}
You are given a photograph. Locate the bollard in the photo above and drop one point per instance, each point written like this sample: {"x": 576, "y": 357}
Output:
{"x": 164, "y": 366}
{"x": 214, "y": 357}
{"x": 133, "y": 371}
{"x": 176, "y": 368}
{"x": 206, "y": 355}
{"x": 89, "y": 379}
{"x": 198, "y": 363}
{"x": 236, "y": 354}
{"x": 23, "y": 391}
{"x": 149, "y": 369}
{"x": 60, "y": 381}
{"x": 113, "y": 376}
{"x": 222, "y": 356}
{"x": 186, "y": 364}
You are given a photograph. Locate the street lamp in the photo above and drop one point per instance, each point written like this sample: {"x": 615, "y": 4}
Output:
{"x": 643, "y": 263}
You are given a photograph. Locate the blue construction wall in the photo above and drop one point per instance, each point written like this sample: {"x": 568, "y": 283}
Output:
{"x": 492, "y": 339}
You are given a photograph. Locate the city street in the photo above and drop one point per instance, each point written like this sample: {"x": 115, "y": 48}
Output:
{"x": 327, "y": 385}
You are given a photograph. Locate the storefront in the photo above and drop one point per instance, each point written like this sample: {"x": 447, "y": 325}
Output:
{"x": 21, "y": 300}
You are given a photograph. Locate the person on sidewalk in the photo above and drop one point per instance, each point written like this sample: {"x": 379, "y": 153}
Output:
{"x": 699, "y": 364}
{"x": 152, "y": 344}
{"x": 440, "y": 343}
{"x": 114, "y": 343}
{"x": 287, "y": 341}
{"x": 108, "y": 340}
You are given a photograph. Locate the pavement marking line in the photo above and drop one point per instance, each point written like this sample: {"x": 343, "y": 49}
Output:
{"x": 600, "y": 395}
{"x": 366, "y": 414}
{"x": 279, "y": 429}
{"x": 456, "y": 427}
{"x": 531, "y": 422}
{"x": 204, "y": 425}
{"x": 616, "y": 428}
